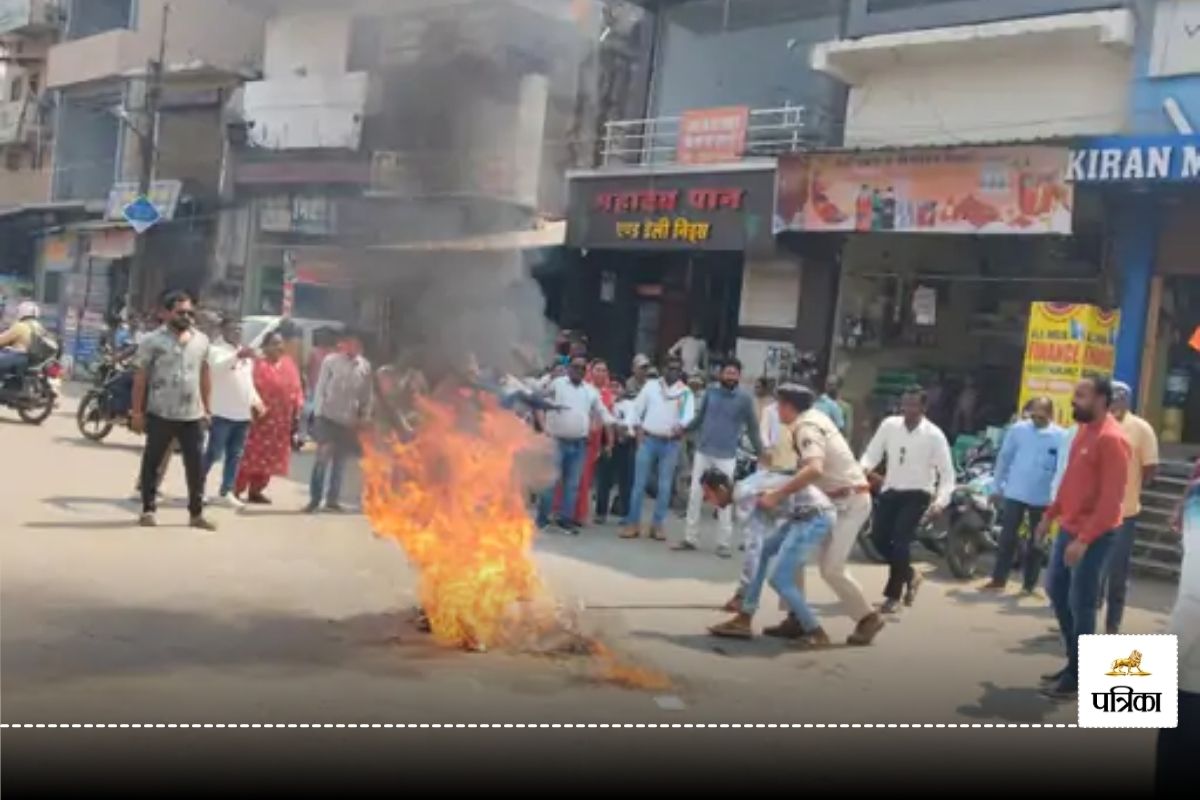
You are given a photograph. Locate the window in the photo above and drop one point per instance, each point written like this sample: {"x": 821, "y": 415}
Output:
{"x": 90, "y": 17}
{"x": 14, "y": 90}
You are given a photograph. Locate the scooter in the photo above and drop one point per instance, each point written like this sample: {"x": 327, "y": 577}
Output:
{"x": 33, "y": 391}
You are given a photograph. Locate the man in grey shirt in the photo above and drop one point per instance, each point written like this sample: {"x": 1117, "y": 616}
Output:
{"x": 171, "y": 390}
{"x": 726, "y": 412}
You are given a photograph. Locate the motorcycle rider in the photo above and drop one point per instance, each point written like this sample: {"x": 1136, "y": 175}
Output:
{"x": 16, "y": 341}
{"x": 918, "y": 460}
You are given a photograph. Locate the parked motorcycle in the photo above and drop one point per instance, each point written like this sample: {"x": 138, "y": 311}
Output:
{"x": 110, "y": 400}
{"x": 972, "y": 528}
{"x": 33, "y": 391}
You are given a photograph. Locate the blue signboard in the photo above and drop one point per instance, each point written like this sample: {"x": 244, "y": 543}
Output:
{"x": 1135, "y": 159}
{"x": 141, "y": 214}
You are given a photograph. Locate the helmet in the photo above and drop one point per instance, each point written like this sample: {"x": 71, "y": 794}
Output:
{"x": 28, "y": 309}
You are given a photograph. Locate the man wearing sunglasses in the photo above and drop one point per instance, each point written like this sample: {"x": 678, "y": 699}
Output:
{"x": 918, "y": 485}
{"x": 171, "y": 391}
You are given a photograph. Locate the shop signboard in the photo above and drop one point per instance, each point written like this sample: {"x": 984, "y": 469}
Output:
{"x": 970, "y": 190}
{"x": 727, "y": 210}
{"x": 1066, "y": 341}
{"x": 1136, "y": 159}
{"x": 712, "y": 135}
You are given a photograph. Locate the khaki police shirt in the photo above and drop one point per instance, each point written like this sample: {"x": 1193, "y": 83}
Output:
{"x": 816, "y": 436}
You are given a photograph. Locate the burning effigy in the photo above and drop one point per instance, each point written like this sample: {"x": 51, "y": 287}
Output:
{"x": 451, "y": 490}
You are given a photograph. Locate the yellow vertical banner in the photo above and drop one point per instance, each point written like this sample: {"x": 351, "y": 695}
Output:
{"x": 1065, "y": 342}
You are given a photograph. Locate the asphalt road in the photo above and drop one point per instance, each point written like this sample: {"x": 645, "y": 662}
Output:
{"x": 286, "y": 618}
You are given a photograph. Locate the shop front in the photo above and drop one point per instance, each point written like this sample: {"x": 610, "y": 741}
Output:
{"x": 664, "y": 254}
{"x": 1154, "y": 182}
{"x": 943, "y": 253}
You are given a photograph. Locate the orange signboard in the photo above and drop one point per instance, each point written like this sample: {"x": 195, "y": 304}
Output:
{"x": 977, "y": 190}
{"x": 711, "y": 135}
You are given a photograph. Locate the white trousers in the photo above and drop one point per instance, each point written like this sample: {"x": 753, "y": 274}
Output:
{"x": 701, "y": 464}
{"x": 852, "y": 512}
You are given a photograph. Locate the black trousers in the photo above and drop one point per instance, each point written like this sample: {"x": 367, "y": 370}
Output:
{"x": 614, "y": 470}
{"x": 1175, "y": 758}
{"x": 159, "y": 435}
{"x": 897, "y": 515}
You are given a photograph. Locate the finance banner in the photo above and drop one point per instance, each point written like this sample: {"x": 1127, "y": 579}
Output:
{"x": 1066, "y": 341}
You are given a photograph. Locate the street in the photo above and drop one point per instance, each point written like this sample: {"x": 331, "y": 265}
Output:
{"x": 283, "y": 617}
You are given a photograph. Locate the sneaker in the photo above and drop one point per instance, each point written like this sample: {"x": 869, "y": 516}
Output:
{"x": 199, "y": 522}
{"x": 335, "y": 508}
{"x": 148, "y": 520}
{"x": 724, "y": 551}
{"x": 311, "y": 508}
{"x": 889, "y": 606}
{"x": 680, "y": 547}
{"x": 601, "y": 519}
{"x": 790, "y": 628}
{"x": 570, "y": 526}
{"x": 229, "y": 501}
{"x": 812, "y": 640}
{"x": 1033, "y": 594}
{"x": 736, "y": 628}
{"x": 865, "y": 631}
{"x": 993, "y": 586}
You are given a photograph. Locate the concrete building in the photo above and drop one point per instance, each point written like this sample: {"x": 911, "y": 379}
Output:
{"x": 386, "y": 139}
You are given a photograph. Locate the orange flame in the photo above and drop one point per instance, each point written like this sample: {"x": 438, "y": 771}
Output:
{"x": 453, "y": 497}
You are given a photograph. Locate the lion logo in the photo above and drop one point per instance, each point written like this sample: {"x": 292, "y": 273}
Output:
{"x": 1128, "y": 666}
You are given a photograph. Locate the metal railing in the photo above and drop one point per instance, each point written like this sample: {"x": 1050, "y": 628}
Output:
{"x": 769, "y": 132}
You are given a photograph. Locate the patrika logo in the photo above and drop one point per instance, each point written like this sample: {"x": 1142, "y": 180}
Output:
{"x": 1128, "y": 681}
{"x": 1128, "y": 666}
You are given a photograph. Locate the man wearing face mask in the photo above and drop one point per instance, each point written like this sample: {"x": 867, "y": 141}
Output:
{"x": 726, "y": 412}
{"x": 171, "y": 391}
{"x": 1088, "y": 507}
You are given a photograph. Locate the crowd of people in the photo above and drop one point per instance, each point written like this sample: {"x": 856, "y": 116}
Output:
{"x": 217, "y": 400}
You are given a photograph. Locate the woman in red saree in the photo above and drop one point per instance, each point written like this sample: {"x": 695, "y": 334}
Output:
{"x": 598, "y": 376}
{"x": 269, "y": 445}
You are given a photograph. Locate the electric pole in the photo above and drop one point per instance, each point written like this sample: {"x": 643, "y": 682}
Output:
{"x": 147, "y": 135}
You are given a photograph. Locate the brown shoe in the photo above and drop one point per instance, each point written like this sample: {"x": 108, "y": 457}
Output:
{"x": 790, "y": 628}
{"x": 993, "y": 586}
{"x": 657, "y": 535}
{"x": 632, "y": 532}
{"x": 736, "y": 628}
{"x": 734, "y": 604}
{"x": 812, "y": 640}
{"x": 864, "y": 632}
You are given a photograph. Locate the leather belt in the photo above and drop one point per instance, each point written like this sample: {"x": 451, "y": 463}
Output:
{"x": 842, "y": 494}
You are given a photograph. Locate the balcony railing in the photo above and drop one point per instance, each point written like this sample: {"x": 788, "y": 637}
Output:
{"x": 769, "y": 132}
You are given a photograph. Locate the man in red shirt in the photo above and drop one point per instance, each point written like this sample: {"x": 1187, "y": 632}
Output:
{"x": 1088, "y": 508}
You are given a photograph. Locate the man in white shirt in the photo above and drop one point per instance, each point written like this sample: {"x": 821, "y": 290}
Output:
{"x": 692, "y": 351}
{"x": 234, "y": 403}
{"x": 663, "y": 409}
{"x": 918, "y": 485}
{"x": 577, "y": 403}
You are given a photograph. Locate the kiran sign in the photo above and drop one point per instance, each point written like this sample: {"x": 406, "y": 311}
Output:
{"x": 1123, "y": 159}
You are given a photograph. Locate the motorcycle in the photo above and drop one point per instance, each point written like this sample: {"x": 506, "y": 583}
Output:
{"x": 33, "y": 391}
{"x": 110, "y": 400}
{"x": 973, "y": 528}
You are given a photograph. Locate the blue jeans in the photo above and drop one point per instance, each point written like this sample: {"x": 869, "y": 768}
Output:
{"x": 226, "y": 440}
{"x": 569, "y": 458}
{"x": 662, "y": 454}
{"x": 1114, "y": 582}
{"x": 793, "y": 543}
{"x": 1073, "y": 592}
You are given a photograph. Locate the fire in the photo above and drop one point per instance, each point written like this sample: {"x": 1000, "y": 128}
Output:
{"x": 452, "y": 495}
